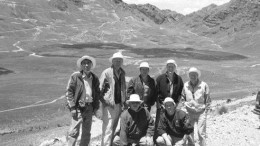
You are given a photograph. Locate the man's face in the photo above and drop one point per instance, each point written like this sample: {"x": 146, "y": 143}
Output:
{"x": 193, "y": 77}
{"x": 170, "y": 67}
{"x": 144, "y": 71}
{"x": 86, "y": 65}
{"x": 170, "y": 108}
{"x": 117, "y": 62}
{"x": 134, "y": 105}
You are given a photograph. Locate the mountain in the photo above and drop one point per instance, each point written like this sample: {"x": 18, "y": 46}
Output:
{"x": 232, "y": 17}
{"x": 234, "y": 25}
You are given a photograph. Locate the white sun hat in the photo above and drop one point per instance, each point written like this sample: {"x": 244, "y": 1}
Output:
{"x": 116, "y": 55}
{"x": 134, "y": 98}
{"x": 171, "y": 61}
{"x": 194, "y": 69}
{"x": 93, "y": 60}
{"x": 168, "y": 99}
{"x": 144, "y": 64}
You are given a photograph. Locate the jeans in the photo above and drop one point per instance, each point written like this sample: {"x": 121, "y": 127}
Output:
{"x": 110, "y": 121}
{"x": 198, "y": 137}
{"x": 80, "y": 127}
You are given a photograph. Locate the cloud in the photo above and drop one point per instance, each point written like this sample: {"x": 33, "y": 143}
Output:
{"x": 180, "y": 6}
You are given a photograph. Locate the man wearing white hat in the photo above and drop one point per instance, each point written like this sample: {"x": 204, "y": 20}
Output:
{"x": 197, "y": 96}
{"x": 144, "y": 86}
{"x": 168, "y": 84}
{"x": 83, "y": 100}
{"x": 113, "y": 90}
{"x": 136, "y": 125}
{"x": 173, "y": 125}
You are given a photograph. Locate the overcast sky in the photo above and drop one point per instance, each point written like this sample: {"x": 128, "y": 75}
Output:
{"x": 180, "y": 6}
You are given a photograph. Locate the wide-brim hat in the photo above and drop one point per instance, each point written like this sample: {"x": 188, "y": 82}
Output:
{"x": 172, "y": 61}
{"x": 117, "y": 55}
{"x": 144, "y": 65}
{"x": 93, "y": 60}
{"x": 194, "y": 69}
{"x": 168, "y": 99}
{"x": 134, "y": 98}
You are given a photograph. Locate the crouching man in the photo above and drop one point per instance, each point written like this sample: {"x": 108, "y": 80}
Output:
{"x": 136, "y": 125}
{"x": 173, "y": 125}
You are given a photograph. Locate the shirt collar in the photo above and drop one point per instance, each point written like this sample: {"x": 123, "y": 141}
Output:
{"x": 84, "y": 76}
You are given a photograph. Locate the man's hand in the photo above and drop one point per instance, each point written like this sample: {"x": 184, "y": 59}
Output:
{"x": 73, "y": 113}
{"x": 149, "y": 141}
{"x": 98, "y": 113}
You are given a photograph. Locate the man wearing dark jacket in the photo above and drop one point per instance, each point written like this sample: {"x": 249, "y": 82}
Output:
{"x": 168, "y": 84}
{"x": 173, "y": 125}
{"x": 144, "y": 86}
{"x": 83, "y": 100}
{"x": 136, "y": 125}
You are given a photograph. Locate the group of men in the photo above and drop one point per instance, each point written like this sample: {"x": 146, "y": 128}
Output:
{"x": 172, "y": 125}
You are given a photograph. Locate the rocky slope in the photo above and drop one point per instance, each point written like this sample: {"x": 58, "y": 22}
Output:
{"x": 229, "y": 18}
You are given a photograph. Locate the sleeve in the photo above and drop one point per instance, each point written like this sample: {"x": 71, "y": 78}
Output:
{"x": 150, "y": 129}
{"x": 180, "y": 90}
{"x": 162, "y": 125}
{"x": 187, "y": 127}
{"x": 123, "y": 130}
{"x": 97, "y": 95}
{"x": 207, "y": 99}
{"x": 130, "y": 89}
{"x": 70, "y": 92}
{"x": 158, "y": 91}
{"x": 154, "y": 93}
{"x": 183, "y": 94}
{"x": 103, "y": 86}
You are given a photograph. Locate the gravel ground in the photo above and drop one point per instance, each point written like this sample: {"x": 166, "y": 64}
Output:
{"x": 237, "y": 127}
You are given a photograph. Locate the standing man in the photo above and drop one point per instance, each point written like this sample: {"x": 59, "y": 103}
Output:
{"x": 173, "y": 125}
{"x": 136, "y": 125}
{"x": 83, "y": 100}
{"x": 196, "y": 94}
{"x": 144, "y": 86}
{"x": 168, "y": 84}
{"x": 113, "y": 90}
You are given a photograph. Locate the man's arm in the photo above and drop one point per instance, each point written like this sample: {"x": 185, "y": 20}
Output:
{"x": 158, "y": 105}
{"x": 130, "y": 89}
{"x": 187, "y": 127}
{"x": 97, "y": 95}
{"x": 103, "y": 87}
{"x": 70, "y": 92}
{"x": 207, "y": 99}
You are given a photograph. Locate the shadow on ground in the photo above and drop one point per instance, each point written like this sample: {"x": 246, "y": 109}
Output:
{"x": 189, "y": 53}
{"x": 4, "y": 71}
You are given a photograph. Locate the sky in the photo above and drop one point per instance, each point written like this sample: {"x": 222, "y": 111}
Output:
{"x": 180, "y": 6}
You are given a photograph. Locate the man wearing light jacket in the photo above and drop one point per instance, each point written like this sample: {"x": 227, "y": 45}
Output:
{"x": 136, "y": 125}
{"x": 113, "y": 91}
{"x": 83, "y": 100}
